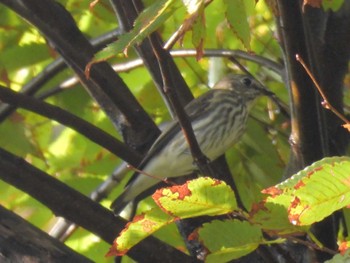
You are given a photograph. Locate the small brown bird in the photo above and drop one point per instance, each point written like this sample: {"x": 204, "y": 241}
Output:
{"x": 218, "y": 120}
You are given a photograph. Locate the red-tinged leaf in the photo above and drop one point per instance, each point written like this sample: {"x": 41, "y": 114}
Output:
{"x": 148, "y": 21}
{"x": 202, "y": 196}
{"x": 316, "y": 192}
{"x": 324, "y": 191}
{"x": 141, "y": 227}
{"x": 232, "y": 239}
{"x": 343, "y": 246}
{"x": 257, "y": 207}
{"x": 273, "y": 218}
{"x": 236, "y": 16}
{"x": 299, "y": 184}
{"x": 273, "y": 191}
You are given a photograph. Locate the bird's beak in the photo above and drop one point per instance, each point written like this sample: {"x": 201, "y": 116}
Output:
{"x": 267, "y": 93}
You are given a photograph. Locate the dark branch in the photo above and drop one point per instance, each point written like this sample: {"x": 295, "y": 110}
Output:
{"x": 107, "y": 88}
{"x": 90, "y": 131}
{"x": 35, "y": 84}
{"x": 70, "y": 204}
{"x": 127, "y": 12}
{"x": 20, "y": 241}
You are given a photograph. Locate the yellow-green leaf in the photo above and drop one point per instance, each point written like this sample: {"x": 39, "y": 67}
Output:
{"x": 147, "y": 22}
{"x": 315, "y": 192}
{"x": 141, "y": 227}
{"x": 202, "y": 196}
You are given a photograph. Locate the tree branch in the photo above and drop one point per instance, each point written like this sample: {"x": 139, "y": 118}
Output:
{"x": 90, "y": 131}
{"x": 36, "y": 83}
{"x": 20, "y": 241}
{"x": 70, "y": 204}
{"x": 127, "y": 12}
{"x": 104, "y": 85}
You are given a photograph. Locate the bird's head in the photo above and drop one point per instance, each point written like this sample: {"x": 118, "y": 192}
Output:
{"x": 243, "y": 85}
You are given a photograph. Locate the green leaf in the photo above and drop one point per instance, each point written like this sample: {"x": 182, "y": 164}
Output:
{"x": 333, "y": 5}
{"x": 27, "y": 55}
{"x": 141, "y": 227}
{"x": 237, "y": 18}
{"x": 232, "y": 239}
{"x": 147, "y": 22}
{"x": 340, "y": 258}
{"x": 13, "y": 136}
{"x": 198, "y": 33}
{"x": 202, "y": 196}
{"x": 315, "y": 192}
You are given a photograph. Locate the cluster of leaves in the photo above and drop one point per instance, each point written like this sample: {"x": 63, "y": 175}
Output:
{"x": 153, "y": 17}
{"x": 290, "y": 209}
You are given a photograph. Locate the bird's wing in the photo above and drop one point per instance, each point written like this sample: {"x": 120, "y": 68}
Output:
{"x": 195, "y": 109}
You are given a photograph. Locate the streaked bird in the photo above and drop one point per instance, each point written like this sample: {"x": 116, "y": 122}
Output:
{"x": 218, "y": 120}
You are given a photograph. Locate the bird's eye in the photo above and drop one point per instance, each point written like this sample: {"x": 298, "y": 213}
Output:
{"x": 247, "y": 81}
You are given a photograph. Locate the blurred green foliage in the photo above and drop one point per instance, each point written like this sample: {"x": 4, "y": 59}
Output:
{"x": 256, "y": 162}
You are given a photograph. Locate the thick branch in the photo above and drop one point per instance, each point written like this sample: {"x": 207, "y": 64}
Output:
{"x": 321, "y": 39}
{"x": 305, "y": 136}
{"x": 127, "y": 12}
{"x": 72, "y": 205}
{"x": 20, "y": 241}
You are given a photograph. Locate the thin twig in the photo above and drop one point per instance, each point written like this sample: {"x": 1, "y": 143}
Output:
{"x": 312, "y": 245}
{"x": 200, "y": 159}
{"x": 179, "y": 33}
{"x": 325, "y": 103}
{"x": 132, "y": 64}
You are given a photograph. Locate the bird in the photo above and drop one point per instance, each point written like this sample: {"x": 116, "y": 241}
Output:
{"x": 218, "y": 118}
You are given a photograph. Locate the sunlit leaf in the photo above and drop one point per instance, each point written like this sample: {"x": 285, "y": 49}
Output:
{"x": 141, "y": 227}
{"x": 202, "y": 196}
{"x": 315, "y": 192}
{"x": 147, "y": 22}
